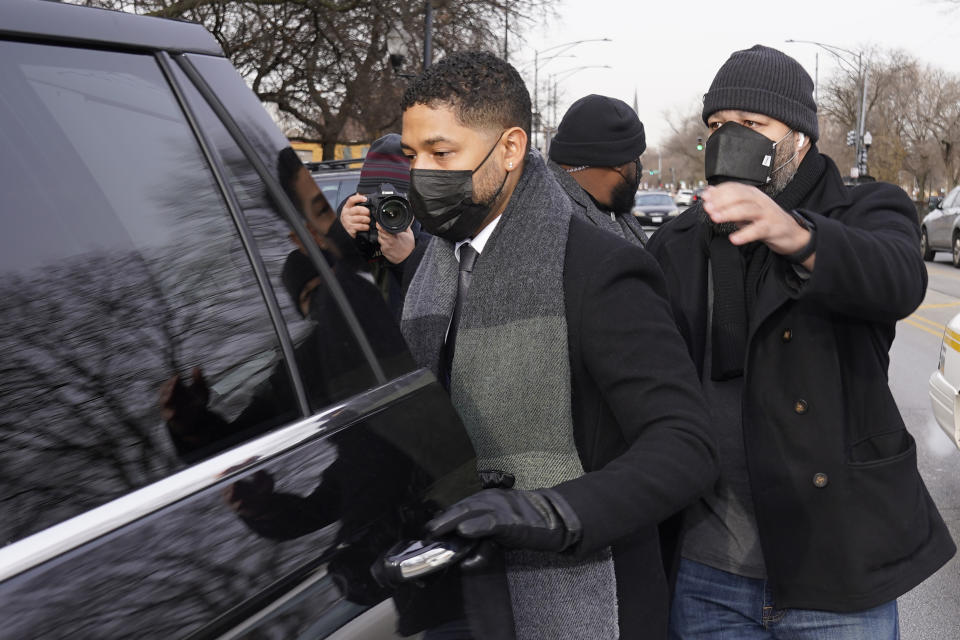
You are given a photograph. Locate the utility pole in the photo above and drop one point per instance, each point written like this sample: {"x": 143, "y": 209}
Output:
{"x": 861, "y": 69}
{"x": 428, "y": 36}
{"x": 563, "y": 48}
{"x": 506, "y": 31}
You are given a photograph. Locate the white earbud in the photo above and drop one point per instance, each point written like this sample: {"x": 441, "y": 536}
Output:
{"x": 800, "y": 140}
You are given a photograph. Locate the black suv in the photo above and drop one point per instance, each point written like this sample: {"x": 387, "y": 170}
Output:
{"x": 186, "y": 451}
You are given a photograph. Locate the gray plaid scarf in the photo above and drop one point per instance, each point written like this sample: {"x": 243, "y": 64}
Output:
{"x": 510, "y": 383}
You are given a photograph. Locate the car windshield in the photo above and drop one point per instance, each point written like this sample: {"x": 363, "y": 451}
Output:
{"x": 653, "y": 199}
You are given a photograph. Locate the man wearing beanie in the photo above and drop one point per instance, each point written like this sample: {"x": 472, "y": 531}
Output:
{"x": 383, "y": 164}
{"x": 787, "y": 287}
{"x": 596, "y": 158}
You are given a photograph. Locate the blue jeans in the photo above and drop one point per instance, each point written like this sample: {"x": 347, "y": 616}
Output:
{"x": 710, "y": 604}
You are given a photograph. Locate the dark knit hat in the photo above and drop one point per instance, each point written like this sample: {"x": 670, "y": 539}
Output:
{"x": 767, "y": 81}
{"x": 298, "y": 270}
{"x": 384, "y": 163}
{"x": 600, "y": 132}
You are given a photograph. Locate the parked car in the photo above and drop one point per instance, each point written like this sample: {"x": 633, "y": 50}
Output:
{"x": 940, "y": 229}
{"x": 337, "y": 179}
{"x": 653, "y": 207}
{"x": 184, "y": 454}
{"x": 945, "y": 382}
{"x": 684, "y": 198}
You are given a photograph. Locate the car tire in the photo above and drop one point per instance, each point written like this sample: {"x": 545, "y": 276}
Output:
{"x": 955, "y": 254}
{"x": 925, "y": 249}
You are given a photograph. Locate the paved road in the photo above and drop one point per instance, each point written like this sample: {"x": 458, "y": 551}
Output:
{"x": 932, "y": 610}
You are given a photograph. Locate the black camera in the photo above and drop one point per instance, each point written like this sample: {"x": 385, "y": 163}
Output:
{"x": 391, "y": 210}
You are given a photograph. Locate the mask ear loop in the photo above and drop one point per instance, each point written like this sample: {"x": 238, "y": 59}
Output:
{"x": 489, "y": 153}
{"x": 796, "y": 152}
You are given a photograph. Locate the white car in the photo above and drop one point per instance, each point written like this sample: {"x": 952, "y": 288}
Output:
{"x": 684, "y": 198}
{"x": 945, "y": 382}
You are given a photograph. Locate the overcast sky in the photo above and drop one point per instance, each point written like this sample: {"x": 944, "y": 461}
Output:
{"x": 670, "y": 50}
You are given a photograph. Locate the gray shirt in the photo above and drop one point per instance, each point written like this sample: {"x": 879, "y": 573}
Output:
{"x": 721, "y": 527}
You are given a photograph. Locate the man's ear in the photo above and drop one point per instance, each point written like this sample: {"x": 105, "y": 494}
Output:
{"x": 515, "y": 145}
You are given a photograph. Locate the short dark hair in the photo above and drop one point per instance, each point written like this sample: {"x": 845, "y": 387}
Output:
{"x": 482, "y": 89}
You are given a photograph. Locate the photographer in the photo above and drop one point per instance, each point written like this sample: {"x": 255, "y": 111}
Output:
{"x": 384, "y": 164}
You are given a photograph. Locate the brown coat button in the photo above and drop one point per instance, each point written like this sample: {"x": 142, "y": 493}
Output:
{"x": 820, "y": 480}
{"x": 800, "y": 407}
{"x": 787, "y": 335}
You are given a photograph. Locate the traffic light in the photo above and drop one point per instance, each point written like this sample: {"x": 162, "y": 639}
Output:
{"x": 699, "y": 144}
{"x": 851, "y": 138}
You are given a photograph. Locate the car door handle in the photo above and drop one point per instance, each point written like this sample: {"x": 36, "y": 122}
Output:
{"x": 410, "y": 560}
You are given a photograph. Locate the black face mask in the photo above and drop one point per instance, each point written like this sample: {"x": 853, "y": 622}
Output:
{"x": 442, "y": 200}
{"x": 737, "y": 153}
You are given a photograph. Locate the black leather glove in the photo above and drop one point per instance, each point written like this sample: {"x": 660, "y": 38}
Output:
{"x": 540, "y": 520}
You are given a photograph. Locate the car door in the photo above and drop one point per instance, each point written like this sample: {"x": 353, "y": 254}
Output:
{"x": 184, "y": 454}
{"x": 940, "y": 222}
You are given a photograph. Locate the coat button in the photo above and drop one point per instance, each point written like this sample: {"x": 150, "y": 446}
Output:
{"x": 787, "y": 335}
{"x": 800, "y": 407}
{"x": 820, "y": 480}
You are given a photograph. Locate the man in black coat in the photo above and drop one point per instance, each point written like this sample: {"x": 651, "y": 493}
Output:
{"x": 787, "y": 287}
{"x": 595, "y": 157}
{"x": 556, "y": 343}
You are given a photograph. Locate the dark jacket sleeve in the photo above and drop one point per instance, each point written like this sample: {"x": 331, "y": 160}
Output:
{"x": 628, "y": 346}
{"x": 868, "y": 262}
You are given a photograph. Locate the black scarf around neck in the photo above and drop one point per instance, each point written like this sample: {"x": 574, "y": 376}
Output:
{"x": 736, "y": 274}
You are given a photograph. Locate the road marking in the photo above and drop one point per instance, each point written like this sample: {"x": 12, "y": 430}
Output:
{"x": 943, "y": 305}
{"x": 914, "y": 323}
{"x": 938, "y": 325}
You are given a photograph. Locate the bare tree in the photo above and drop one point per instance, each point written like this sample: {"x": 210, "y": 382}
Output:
{"x": 913, "y": 114}
{"x": 337, "y": 68}
{"x": 679, "y": 158}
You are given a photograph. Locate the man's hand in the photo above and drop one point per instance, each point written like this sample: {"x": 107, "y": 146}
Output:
{"x": 540, "y": 520}
{"x": 758, "y": 218}
{"x": 250, "y": 497}
{"x": 183, "y": 407}
{"x": 354, "y": 216}
{"x": 395, "y": 248}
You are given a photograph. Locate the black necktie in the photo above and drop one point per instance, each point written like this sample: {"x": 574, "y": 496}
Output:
{"x": 468, "y": 256}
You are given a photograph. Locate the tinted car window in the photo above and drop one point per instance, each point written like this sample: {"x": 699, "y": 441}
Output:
{"x": 330, "y": 361}
{"x": 121, "y": 268}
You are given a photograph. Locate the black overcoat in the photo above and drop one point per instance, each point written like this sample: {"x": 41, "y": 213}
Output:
{"x": 844, "y": 518}
{"x": 640, "y": 427}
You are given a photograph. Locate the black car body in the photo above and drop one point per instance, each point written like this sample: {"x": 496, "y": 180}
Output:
{"x": 653, "y": 208}
{"x": 146, "y": 220}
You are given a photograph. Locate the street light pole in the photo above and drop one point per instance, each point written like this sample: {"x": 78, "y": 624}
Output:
{"x": 555, "y": 79}
{"x": 563, "y": 48}
{"x": 861, "y": 150}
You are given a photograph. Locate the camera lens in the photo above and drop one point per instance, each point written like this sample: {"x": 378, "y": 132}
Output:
{"x": 394, "y": 214}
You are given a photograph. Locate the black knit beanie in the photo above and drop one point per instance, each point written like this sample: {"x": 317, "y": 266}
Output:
{"x": 767, "y": 81}
{"x": 600, "y": 132}
{"x": 384, "y": 163}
